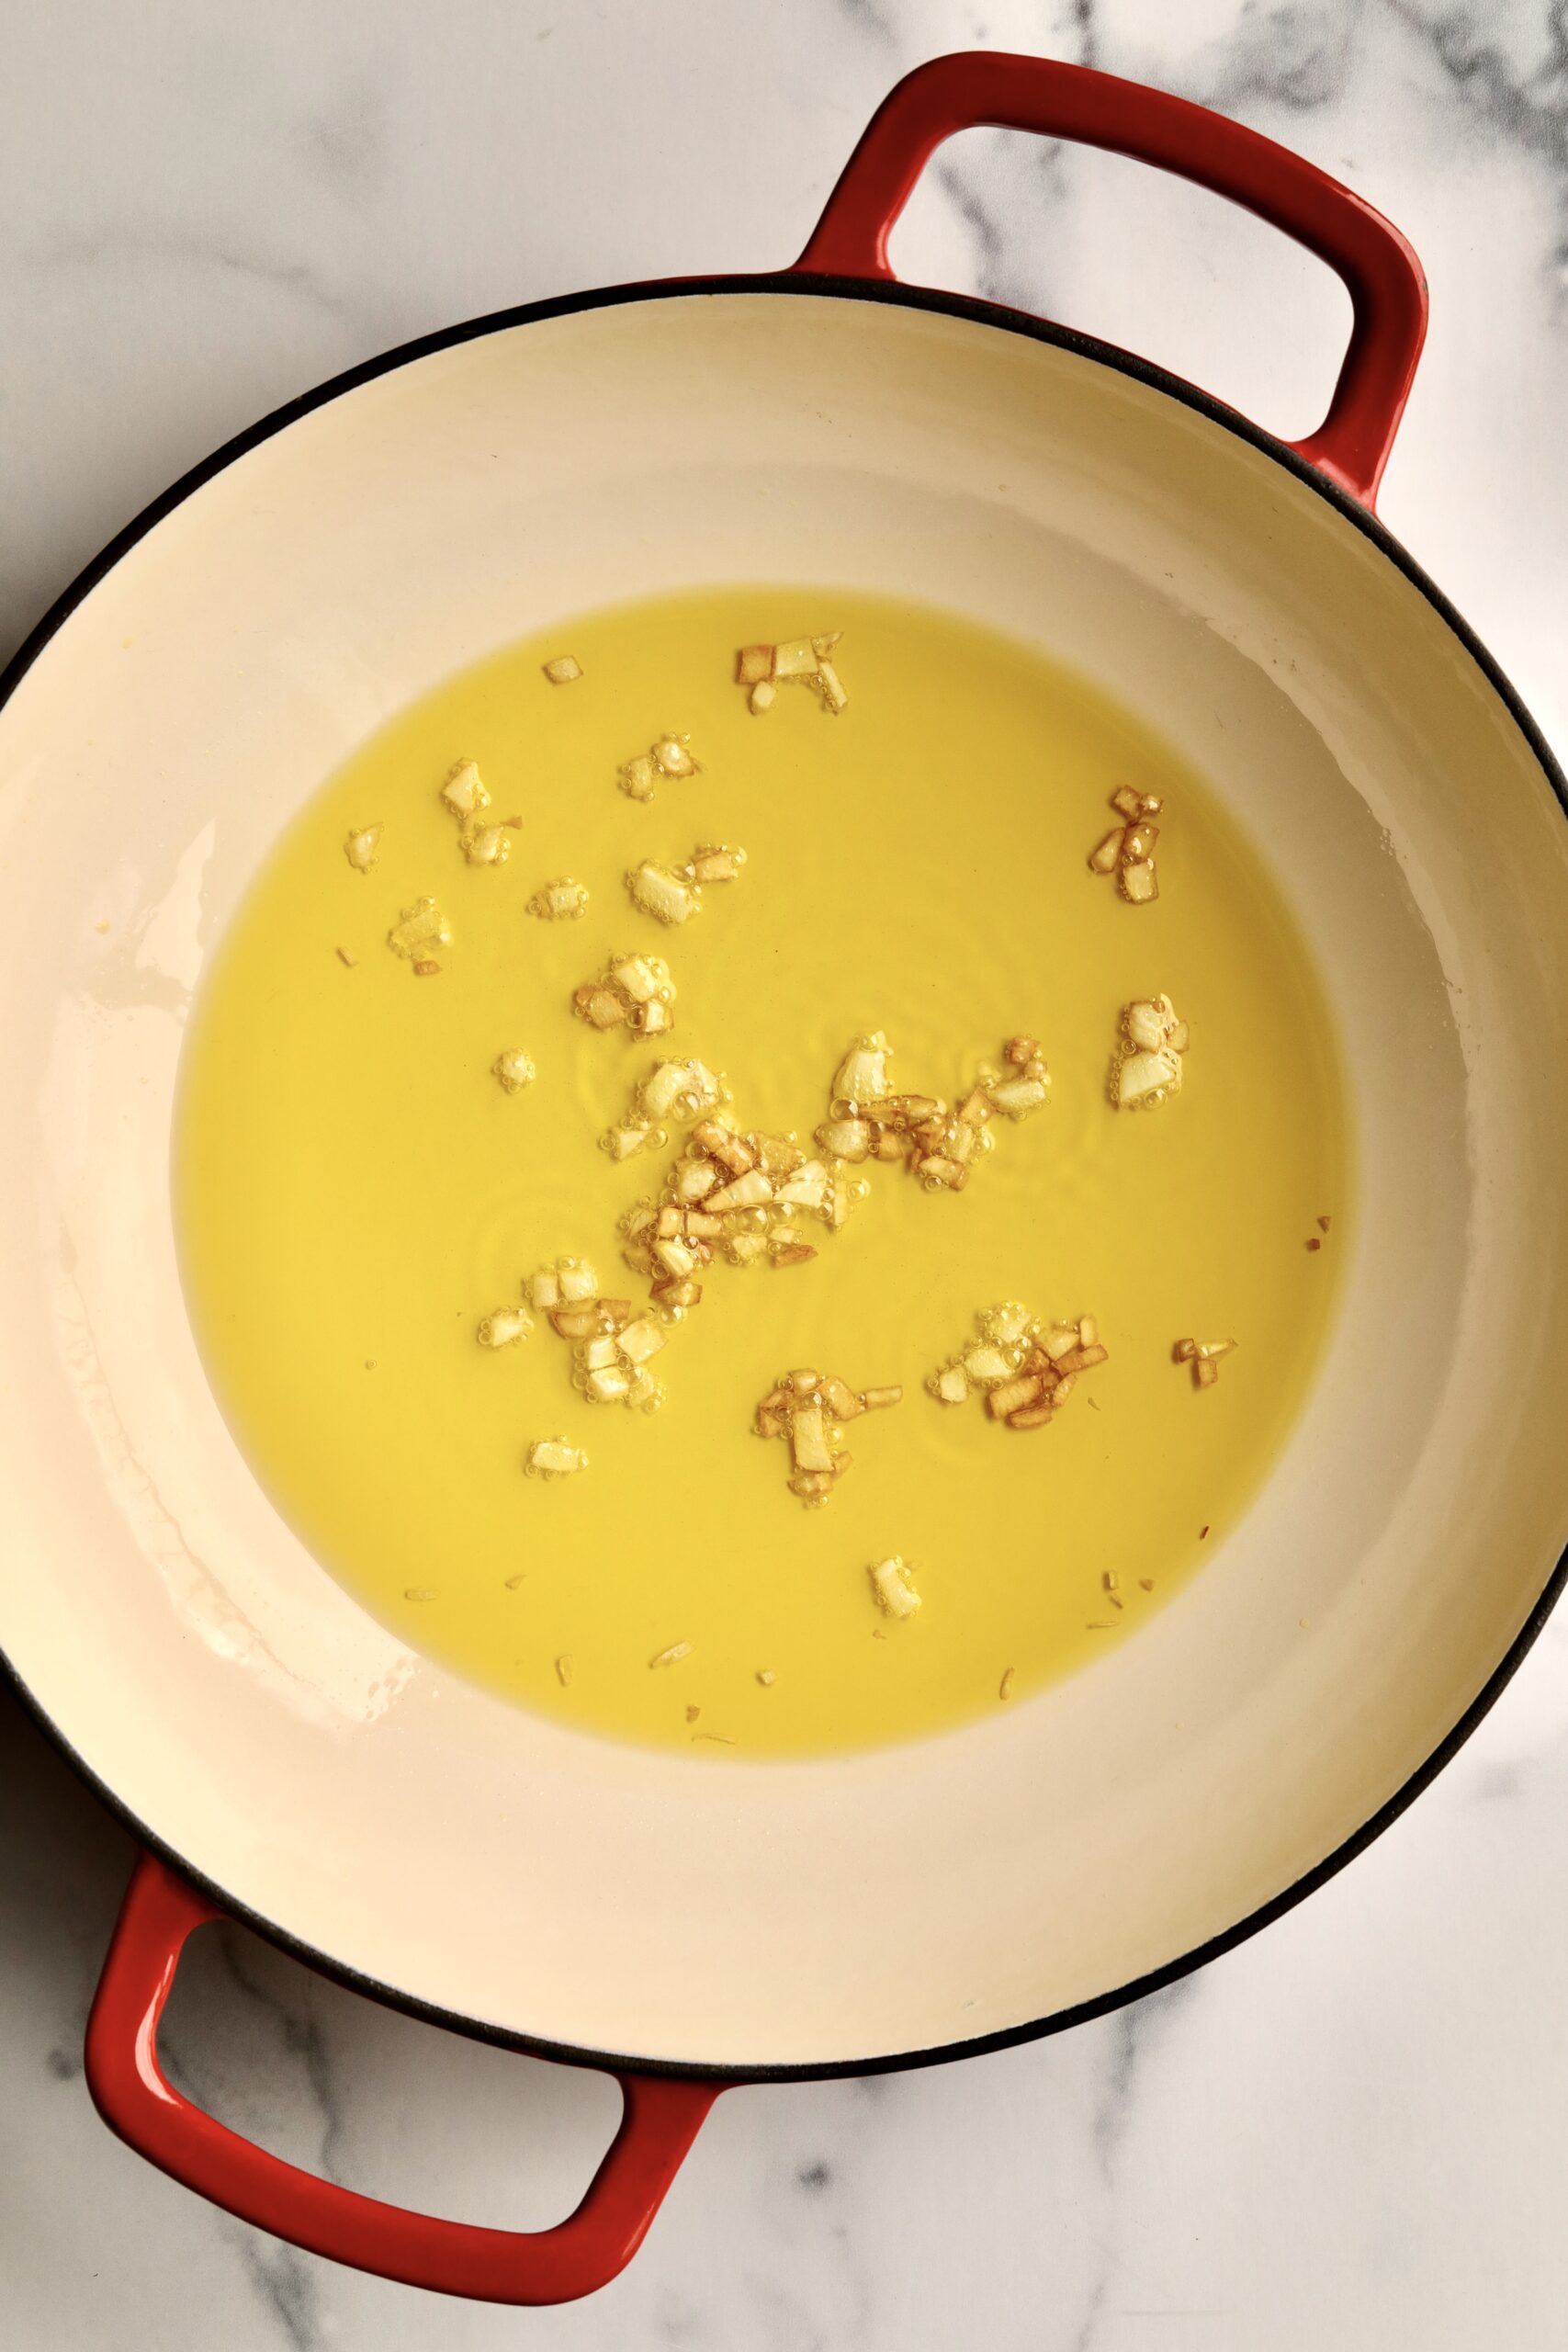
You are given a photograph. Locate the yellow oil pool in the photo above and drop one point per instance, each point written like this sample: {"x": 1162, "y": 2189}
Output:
{"x": 356, "y": 1190}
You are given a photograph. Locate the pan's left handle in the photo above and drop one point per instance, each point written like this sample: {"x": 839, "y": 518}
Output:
{"x": 661, "y": 2117}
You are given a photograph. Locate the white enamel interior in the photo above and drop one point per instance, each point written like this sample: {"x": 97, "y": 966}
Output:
{"x": 470, "y": 1855}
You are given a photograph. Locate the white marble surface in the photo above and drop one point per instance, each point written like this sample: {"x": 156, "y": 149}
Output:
{"x": 1352, "y": 2132}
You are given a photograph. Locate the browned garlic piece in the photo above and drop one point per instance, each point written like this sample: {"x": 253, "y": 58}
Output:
{"x": 360, "y": 848}
{"x": 1025, "y": 1369}
{"x": 1147, "y": 1064}
{"x": 809, "y": 1409}
{"x": 892, "y": 1588}
{"x": 936, "y": 1140}
{"x": 418, "y": 929}
{"x": 552, "y": 1457}
{"x": 673, "y": 894}
{"x": 677, "y": 1091}
{"x": 515, "y": 1070}
{"x": 1204, "y": 1356}
{"x": 465, "y": 798}
{"x": 670, "y": 756}
{"x": 633, "y": 991}
{"x": 563, "y": 668}
{"x": 562, "y": 901}
{"x": 798, "y": 661}
{"x": 1128, "y": 851}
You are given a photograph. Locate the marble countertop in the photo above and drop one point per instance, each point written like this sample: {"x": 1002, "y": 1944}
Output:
{"x": 1350, "y": 2131}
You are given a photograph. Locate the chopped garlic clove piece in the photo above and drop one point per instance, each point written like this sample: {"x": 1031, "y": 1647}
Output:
{"x": 504, "y": 1327}
{"x": 890, "y": 1583}
{"x": 464, "y": 792}
{"x": 714, "y": 863}
{"x": 563, "y": 670}
{"x": 552, "y": 1457}
{"x": 1146, "y": 1026}
{"x": 640, "y": 1340}
{"x": 1105, "y": 855}
{"x": 752, "y": 664}
{"x": 986, "y": 1365}
{"x": 485, "y": 844}
{"x": 748, "y": 1191}
{"x": 845, "y": 1139}
{"x": 680, "y": 1091}
{"x": 795, "y": 658}
{"x": 562, "y": 901}
{"x": 662, "y": 894}
{"x": 807, "y": 1188}
{"x": 1138, "y": 884}
{"x": 829, "y": 685}
{"x": 761, "y": 697}
{"x": 1016, "y": 1097}
{"x": 515, "y": 1070}
{"x": 1147, "y": 1078}
{"x": 861, "y": 1076}
{"x": 419, "y": 928}
{"x": 951, "y": 1385}
{"x": 638, "y": 777}
{"x": 624, "y": 1142}
{"x": 578, "y": 1281}
{"x": 360, "y": 848}
{"x": 641, "y": 978}
{"x": 672, "y": 756}
{"x": 809, "y": 1439}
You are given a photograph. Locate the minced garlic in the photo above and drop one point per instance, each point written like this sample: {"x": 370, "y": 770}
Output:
{"x": 1204, "y": 1356}
{"x": 360, "y": 848}
{"x": 892, "y": 1588}
{"x": 670, "y": 755}
{"x": 612, "y": 1345}
{"x": 673, "y": 893}
{"x": 1025, "y": 1369}
{"x": 552, "y": 1457}
{"x": 563, "y": 670}
{"x": 633, "y": 993}
{"x": 679, "y": 1091}
{"x": 418, "y": 929}
{"x": 1128, "y": 852}
{"x": 562, "y": 901}
{"x": 797, "y": 660}
{"x": 809, "y": 1409}
{"x": 936, "y": 1140}
{"x": 504, "y": 1327}
{"x": 1147, "y": 1068}
{"x": 515, "y": 1070}
{"x": 746, "y": 1197}
{"x": 464, "y": 797}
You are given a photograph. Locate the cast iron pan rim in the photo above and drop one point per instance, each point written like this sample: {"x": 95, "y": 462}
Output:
{"x": 1142, "y": 371}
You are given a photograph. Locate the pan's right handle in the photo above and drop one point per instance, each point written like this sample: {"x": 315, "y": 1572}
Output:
{"x": 136, "y": 2098}
{"x": 1381, "y": 275}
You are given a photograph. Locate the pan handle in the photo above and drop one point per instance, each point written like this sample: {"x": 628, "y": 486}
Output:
{"x": 1383, "y": 276}
{"x": 135, "y": 2098}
